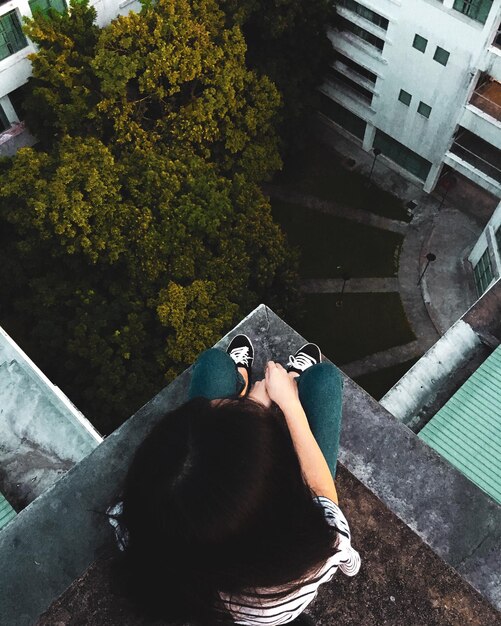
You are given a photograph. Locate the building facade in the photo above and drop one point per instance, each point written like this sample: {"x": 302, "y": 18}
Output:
{"x": 15, "y": 67}
{"x": 420, "y": 82}
{"x": 486, "y": 254}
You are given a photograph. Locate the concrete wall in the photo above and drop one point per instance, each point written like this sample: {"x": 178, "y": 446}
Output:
{"x": 427, "y": 386}
{"x": 410, "y": 398}
{"x": 42, "y": 434}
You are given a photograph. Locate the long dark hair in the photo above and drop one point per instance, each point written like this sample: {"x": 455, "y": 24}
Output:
{"x": 214, "y": 500}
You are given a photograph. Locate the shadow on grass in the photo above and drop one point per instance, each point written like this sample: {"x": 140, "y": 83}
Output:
{"x": 364, "y": 324}
{"x": 331, "y": 245}
{"x": 318, "y": 171}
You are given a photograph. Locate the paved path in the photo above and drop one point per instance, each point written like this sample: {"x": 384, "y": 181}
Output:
{"x": 353, "y": 285}
{"x": 338, "y": 210}
{"x": 386, "y": 358}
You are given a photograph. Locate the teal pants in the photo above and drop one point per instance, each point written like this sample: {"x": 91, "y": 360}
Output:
{"x": 320, "y": 391}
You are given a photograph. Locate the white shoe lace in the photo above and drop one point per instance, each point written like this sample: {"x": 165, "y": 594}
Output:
{"x": 241, "y": 355}
{"x": 301, "y": 361}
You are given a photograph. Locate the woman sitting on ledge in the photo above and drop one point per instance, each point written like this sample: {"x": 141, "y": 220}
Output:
{"x": 229, "y": 508}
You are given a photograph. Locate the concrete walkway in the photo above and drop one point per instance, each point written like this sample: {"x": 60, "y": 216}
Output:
{"x": 337, "y": 210}
{"x": 385, "y": 358}
{"x": 353, "y": 285}
{"x": 446, "y": 290}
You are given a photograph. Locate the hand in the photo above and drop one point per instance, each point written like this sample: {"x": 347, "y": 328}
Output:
{"x": 259, "y": 393}
{"x": 281, "y": 386}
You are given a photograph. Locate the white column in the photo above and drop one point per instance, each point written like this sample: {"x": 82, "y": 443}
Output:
{"x": 432, "y": 177}
{"x": 8, "y": 109}
{"x": 370, "y": 132}
{"x": 448, "y": 4}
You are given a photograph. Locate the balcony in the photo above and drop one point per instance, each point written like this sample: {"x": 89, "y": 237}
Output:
{"x": 477, "y": 153}
{"x": 487, "y": 98}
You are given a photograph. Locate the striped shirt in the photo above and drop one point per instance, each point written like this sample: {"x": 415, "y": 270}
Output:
{"x": 253, "y": 611}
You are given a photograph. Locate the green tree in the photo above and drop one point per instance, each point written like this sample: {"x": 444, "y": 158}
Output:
{"x": 287, "y": 41}
{"x": 136, "y": 230}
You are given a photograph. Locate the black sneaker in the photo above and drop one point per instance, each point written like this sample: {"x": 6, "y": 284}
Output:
{"x": 241, "y": 351}
{"x": 305, "y": 357}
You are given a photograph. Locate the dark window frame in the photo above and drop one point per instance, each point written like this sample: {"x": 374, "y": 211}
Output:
{"x": 402, "y": 97}
{"x": 483, "y": 272}
{"x": 416, "y": 41}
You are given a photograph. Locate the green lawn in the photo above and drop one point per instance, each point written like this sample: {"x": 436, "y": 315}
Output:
{"x": 317, "y": 171}
{"x": 378, "y": 383}
{"x": 365, "y": 323}
{"x": 329, "y": 243}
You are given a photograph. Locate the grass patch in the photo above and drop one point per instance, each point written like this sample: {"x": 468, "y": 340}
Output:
{"x": 364, "y": 324}
{"x": 378, "y": 383}
{"x": 329, "y": 243}
{"x": 317, "y": 171}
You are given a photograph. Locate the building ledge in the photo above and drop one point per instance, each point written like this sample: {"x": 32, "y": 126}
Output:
{"x": 55, "y": 540}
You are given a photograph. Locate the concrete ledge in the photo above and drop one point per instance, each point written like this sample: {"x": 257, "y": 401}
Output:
{"x": 54, "y": 540}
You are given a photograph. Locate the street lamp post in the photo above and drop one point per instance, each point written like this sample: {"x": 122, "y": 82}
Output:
{"x": 430, "y": 257}
{"x": 376, "y": 152}
{"x": 346, "y": 277}
{"x": 448, "y": 183}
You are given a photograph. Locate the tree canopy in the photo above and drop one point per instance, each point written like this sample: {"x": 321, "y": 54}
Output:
{"x": 135, "y": 233}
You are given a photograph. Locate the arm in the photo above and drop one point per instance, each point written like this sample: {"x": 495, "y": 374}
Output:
{"x": 282, "y": 389}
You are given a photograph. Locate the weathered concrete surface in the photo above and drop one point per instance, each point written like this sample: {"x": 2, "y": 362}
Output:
{"x": 54, "y": 540}
{"x": 42, "y": 434}
{"x": 401, "y": 581}
{"x": 448, "y": 285}
{"x": 427, "y": 386}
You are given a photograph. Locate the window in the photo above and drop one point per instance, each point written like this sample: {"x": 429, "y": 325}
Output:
{"x": 4, "y": 122}
{"x": 44, "y": 6}
{"x": 483, "y": 273}
{"x": 405, "y": 97}
{"x": 358, "y": 69}
{"x": 366, "y": 13}
{"x": 401, "y": 155}
{"x": 441, "y": 56}
{"x": 371, "y": 39}
{"x": 351, "y": 84}
{"x": 346, "y": 119}
{"x": 476, "y": 9}
{"x": 11, "y": 36}
{"x": 424, "y": 109}
{"x": 420, "y": 43}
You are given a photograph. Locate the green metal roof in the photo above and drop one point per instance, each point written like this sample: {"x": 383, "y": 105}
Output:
{"x": 467, "y": 429}
{"x": 6, "y": 511}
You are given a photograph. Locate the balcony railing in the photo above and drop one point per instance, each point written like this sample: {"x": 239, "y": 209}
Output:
{"x": 476, "y": 161}
{"x": 487, "y": 106}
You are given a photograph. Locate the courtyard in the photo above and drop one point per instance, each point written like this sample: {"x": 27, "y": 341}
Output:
{"x": 349, "y": 233}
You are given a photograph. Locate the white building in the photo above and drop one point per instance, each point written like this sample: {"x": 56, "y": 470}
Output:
{"x": 486, "y": 255}
{"x": 15, "y": 67}
{"x": 418, "y": 80}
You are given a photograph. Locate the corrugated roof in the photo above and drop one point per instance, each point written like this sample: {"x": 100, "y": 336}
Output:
{"x": 6, "y": 511}
{"x": 467, "y": 429}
